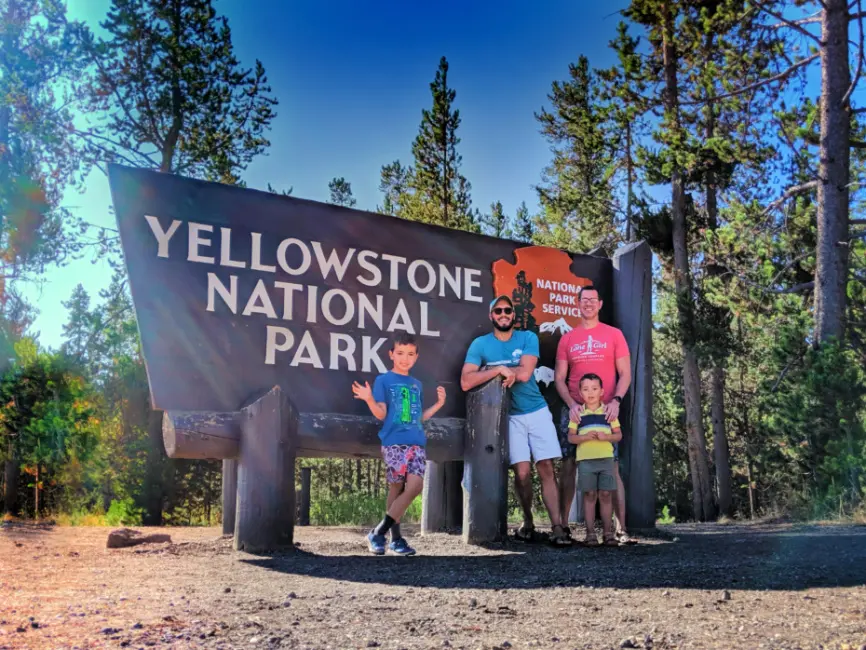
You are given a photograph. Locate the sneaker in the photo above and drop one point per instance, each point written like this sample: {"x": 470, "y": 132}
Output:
{"x": 376, "y": 543}
{"x": 401, "y": 547}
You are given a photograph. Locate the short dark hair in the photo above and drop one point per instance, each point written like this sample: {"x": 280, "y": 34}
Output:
{"x": 591, "y": 376}
{"x": 588, "y": 287}
{"x": 403, "y": 338}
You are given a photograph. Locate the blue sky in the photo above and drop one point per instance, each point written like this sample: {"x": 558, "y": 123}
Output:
{"x": 352, "y": 78}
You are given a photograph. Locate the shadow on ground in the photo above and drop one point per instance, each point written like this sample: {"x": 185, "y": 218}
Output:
{"x": 742, "y": 558}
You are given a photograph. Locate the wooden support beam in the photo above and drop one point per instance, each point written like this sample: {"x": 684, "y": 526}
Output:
{"x": 485, "y": 469}
{"x": 304, "y": 510}
{"x": 211, "y": 435}
{"x": 632, "y": 310}
{"x": 453, "y": 495}
{"x": 201, "y": 435}
{"x": 266, "y": 474}
{"x": 229, "y": 495}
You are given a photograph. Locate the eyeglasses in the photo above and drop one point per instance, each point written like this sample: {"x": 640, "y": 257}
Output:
{"x": 503, "y": 310}
{"x": 589, "y": 301}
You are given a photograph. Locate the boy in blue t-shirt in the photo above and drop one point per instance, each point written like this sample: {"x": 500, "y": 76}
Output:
{"x": 396, "y": 398}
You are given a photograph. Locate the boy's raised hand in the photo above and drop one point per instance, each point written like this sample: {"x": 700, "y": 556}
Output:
{"x": 440, "y": 396}
{"x": 364, "y": 393}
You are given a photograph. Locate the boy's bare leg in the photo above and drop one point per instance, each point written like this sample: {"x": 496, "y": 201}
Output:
{"x": 619, "y": 501}
{"x": 549, "y": 492}
{"x": 413, "y": 487}
{"x": 605, "y": 498}
{"x": 589, "y": 499}
{"x": 567, "y": 480}
{"x": 394, "y": 490}
{"x": 523, "y": 489}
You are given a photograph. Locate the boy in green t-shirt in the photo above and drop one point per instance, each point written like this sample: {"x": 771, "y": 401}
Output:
{"x": 594, "y": 436}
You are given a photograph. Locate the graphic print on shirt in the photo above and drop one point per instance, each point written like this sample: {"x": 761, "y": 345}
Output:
{"x": 406, "y": 401}
{"x": 590, "y": 350}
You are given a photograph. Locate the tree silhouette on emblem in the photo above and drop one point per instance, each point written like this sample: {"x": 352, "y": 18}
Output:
{"x": 523, "y": 306}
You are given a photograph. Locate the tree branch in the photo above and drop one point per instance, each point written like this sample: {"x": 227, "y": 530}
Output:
{"x": 857, "y": 222}
{"x": 802, "y": 21}
{"x": 791, "y": 191}
{"x": 857, "y": 144}
{"x": 795, "y": 25}
{"x": 757, "y": 84}
{"x": 859, "y": 59}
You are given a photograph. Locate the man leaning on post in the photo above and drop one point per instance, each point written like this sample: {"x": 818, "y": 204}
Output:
{"x": 513, "y": 355}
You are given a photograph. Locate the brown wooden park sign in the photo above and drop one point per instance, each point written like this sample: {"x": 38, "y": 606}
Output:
{"x": 258, "y": 311}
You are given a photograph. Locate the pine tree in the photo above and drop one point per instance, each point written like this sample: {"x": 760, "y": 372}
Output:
{"x": 78, "y": 330}
{"x": 496, "y": 223}
{"x": 622, "y": 92}
{"x": 576, "y": 195}
{"x": 168, "y": 92}
{"x": 524, "y": 226}
{"x": 433, "y": 190}
{"x": 341, "y": 192}
{"x": 38, "y": 159}
{"x": 660, "y": 18}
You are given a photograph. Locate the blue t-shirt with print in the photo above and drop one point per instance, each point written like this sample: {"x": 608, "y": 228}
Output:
{"x": 488, "y": 350}
{"x": 402, "y": 395}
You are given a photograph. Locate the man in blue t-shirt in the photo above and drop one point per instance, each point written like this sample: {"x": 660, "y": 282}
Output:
{"x": 512, "y": 354}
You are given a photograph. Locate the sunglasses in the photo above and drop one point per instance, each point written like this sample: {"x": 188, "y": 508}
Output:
{"x": 503, "y": 310}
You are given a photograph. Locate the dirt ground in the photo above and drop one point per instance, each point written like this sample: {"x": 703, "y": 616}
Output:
{"x": 709, "y": 586}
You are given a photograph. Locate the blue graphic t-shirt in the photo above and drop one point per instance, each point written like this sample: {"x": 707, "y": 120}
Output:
{"x": 488, "y": 350}
{"x": 402, "y": 395}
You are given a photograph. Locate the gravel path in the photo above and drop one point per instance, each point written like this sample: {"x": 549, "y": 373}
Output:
{"x": 708, "y": 586}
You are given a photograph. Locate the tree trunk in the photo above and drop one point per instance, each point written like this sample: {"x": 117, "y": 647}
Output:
{"x": 831, "y": 272}
{"x": 720, "y": 439}
{"x": 717, "y": 380}
{"x": 702, "y": 494}
{"x": 10, "y": 498}
{"x": 36, "y": 494}
{"x": 630, "y": 234}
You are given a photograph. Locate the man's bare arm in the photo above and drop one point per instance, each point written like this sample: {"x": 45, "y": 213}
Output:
{"x": 471, "y": 376}
{"x": 623, "y": 372}
{"x": 560, "y": 377}
{"x": 526, "y": 369}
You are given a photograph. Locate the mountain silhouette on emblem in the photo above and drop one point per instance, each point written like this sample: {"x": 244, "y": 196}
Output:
{"x": 559, "y": 325}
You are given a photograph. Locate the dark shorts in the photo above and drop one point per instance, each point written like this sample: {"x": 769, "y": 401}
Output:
{"x": 569, "y": 450}
{"x": 596, "y": 474}
{"x": 401, "y": 460}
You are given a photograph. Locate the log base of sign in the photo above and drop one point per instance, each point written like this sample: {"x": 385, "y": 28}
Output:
{"x": 485, "y": 470}
{"x": 265, "y": 518}
{"x": 229, "y": 494}
{"x": 442, "y": 501}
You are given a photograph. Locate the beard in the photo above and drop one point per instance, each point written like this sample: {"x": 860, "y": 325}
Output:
{"x": 503, "y": 328}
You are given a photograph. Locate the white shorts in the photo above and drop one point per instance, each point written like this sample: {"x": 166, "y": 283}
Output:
{"x": 532, "y": 433}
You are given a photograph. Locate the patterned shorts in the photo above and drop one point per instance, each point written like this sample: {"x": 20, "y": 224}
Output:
{"x": 401, "y": 460}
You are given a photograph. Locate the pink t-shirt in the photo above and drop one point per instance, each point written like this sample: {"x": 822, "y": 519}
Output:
{"x": 592, "y": 350}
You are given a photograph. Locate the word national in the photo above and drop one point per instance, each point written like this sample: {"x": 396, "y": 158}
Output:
{"x": 319, "y": 302}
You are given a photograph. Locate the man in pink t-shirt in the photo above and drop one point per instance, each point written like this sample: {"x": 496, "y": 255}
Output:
{"x": 591, "y": 347}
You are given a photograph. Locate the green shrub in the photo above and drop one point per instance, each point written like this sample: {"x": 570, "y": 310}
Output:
{"x": 355, "y": 509}
{"x": 123, "y": 513}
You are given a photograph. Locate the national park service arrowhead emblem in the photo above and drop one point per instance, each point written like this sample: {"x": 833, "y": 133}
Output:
{"x": 543, "y": 289}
